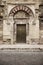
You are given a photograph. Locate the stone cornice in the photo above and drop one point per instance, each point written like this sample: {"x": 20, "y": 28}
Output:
{"x": 23, "y": 3}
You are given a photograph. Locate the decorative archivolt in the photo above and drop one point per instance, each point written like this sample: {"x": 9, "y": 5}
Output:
{"x": 20, "y": 8}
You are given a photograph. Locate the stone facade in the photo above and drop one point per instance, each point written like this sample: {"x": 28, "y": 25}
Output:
{"x": 20, "y": 12}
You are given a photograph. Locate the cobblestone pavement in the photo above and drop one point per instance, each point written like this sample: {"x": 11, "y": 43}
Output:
{"x": 21, "y": 58}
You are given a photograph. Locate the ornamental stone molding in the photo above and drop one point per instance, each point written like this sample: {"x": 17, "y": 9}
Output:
{"x": 17, "y": 8}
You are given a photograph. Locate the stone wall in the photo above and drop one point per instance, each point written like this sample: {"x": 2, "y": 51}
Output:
{"x": 8, "y": 21}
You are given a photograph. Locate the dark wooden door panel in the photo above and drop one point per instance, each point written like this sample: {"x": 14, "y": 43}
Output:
{"x": 21, "y": 33}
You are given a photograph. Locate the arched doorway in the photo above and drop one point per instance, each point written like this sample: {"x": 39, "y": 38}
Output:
{"x": 21, "y": 17}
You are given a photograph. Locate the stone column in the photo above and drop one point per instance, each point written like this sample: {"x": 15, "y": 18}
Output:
{"x": 11, "y": 30}
{"x": 27, "y": 33}
{"x": 14, "y": 31}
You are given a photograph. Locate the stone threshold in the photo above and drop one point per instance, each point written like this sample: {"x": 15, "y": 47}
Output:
{"x": 21, "y": 46}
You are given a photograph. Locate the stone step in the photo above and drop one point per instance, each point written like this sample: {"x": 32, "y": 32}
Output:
{"x": 21, "y": 46}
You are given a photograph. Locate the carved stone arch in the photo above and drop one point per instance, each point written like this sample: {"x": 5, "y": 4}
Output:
{"x": 18, "y": 8}
{"x": 21, "y": 21}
